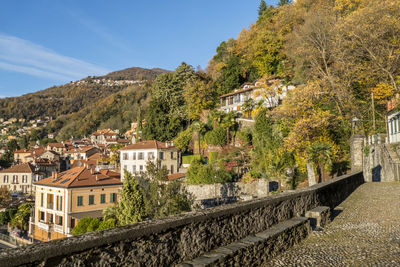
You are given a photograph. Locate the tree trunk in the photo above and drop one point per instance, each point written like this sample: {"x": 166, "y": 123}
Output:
{"x": 311, "y": 174}
{"x": 279, "y": 182}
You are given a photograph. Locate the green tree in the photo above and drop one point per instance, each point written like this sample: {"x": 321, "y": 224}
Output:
{"x": 131, "y": 208}
{"x": 207, "y": 174}
{"x": 262, "y": 7}
{"x": 106, "y": 224}
{"x": 284, "y": 2}
{"x": 21, "y": 218}
{"x": 216, "y": 137}
{"x": 5, "y": 197}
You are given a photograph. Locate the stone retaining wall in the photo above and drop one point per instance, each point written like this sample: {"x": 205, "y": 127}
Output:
{"x": 183, "y": 237}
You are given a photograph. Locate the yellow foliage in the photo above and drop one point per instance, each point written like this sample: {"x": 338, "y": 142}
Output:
{"x": 383, "y": 92}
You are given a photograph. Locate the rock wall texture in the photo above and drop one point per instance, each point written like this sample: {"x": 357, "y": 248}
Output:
{"x": 183, "y": 237}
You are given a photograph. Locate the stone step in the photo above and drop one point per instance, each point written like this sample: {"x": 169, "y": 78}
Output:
{"x": 256, "y": 249}
{"x": 319, "y": 216}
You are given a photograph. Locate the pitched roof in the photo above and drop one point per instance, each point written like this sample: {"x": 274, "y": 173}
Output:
{"x": 176, "y": 176}
{"x": 23, "y": 150}
{"x": 57, "y": 145}
{"x": 19, "y": 168}
{"x": 149, "y": 144}
{"x": 80, "y": 177}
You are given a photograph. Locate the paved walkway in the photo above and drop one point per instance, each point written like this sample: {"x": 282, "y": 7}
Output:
{"x": 365, "y": 233}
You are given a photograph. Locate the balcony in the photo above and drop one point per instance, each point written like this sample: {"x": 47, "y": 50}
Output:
{"x": 58, "y": 228}
{"x": 43, "y": 226}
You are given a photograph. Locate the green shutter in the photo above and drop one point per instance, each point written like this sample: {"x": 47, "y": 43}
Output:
{"x": 60, "y": 206}
{"x": 91, "y": 199}
{"x": 41, "y": 199}
{"x": 112, "y": 197}
{"x": 57, "y": 201}
{"x": 80, "y": 201}
{"x": 103, "y": 198}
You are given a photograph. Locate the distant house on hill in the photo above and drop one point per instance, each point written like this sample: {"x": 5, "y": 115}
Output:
{"x": 104, "y": 137}
{"x": 270, "y": 94}
{"x": 134, "y": 157}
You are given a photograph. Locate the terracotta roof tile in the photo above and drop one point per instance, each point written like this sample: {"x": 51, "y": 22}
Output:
{"x": 80, "y": 177}
{"x": 149, "y": 144}
{"x": 19, "y": 168}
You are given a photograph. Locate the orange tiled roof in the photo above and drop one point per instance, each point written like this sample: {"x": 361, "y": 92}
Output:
{"x": 176, "y": 176}
{"x": 57, "y": 145}
{"x": 19, "y": 168}
{"x": 80, "y": 177}
{"x": 149, "y": 144}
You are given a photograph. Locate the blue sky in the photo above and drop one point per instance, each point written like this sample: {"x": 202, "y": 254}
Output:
{"x": 46, "y": 42}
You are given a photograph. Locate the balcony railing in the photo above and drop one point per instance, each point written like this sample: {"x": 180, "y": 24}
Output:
{"x": 43, "y": 226}
{"x": 58, "y": 228}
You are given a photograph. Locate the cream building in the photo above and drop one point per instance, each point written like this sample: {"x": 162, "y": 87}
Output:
{"x": 19, "y": 178}
{"x": 65, "y": 198}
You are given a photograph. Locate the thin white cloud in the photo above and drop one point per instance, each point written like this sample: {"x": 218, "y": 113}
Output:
{"x": 23, "y": 56}
{"x": 98, "y": 29}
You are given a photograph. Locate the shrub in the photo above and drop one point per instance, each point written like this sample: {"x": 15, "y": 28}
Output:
{"x": 212, "y": 157}
{"x": 216, "y": 137}
{"x": 207, "y": 174}
{"x": 86, "y": 225}
{"x": 189, "y": 158}
{"x": 110, "y": 223}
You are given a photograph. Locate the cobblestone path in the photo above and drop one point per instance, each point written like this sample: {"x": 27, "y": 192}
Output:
{"x": 365, "y": 233}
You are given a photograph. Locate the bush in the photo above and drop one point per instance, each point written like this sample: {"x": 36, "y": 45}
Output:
{"x": 86, "y": 225}
{"x": 110, "y": 223}
{"x": 212, "y": 157}
{"x": 189, "y": 158}
{"x": 216, "y": 137}
{"x": 207, "y": 174}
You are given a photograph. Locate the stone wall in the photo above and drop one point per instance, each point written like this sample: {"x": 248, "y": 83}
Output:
{"x": 183, "y": 237}
{"x": 208, "y": 195}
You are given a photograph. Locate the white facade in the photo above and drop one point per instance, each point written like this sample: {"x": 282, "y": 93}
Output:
{"x": 394, "y": 127}
{"x": 134, "y": 161}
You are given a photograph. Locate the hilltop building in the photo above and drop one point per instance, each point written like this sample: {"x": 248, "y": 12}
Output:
{"x": 65, "y": 198}
{"x": 270, "y": 94}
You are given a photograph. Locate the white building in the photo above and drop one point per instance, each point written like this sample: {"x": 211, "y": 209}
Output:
{"x": 394, "y": 127}
{"x": 271, "y": 94}
{"x": 134, "y": 157}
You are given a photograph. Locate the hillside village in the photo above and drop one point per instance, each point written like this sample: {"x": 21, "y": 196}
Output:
{"x": 270, "y": 114}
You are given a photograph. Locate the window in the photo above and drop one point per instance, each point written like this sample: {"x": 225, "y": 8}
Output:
{"x": 125, "y": 167}
{"x": 80, "y": 201}
{"x": 113, "y": 197}
{"x": 141, "y": 168}
{"x": 42, "y": 216}
{"x": 91, "y": 200}
{"x": 60, "y": 220}
{"x": 15, "y": 179}
{"x": 125, "y": 156}
{"x": 5, "y": 178}
{"x": 140, "y": 155}
{"x": 230, "y": 101}
{"x": 150, "y": 155}
{"x": 172, "y": 169}
{"x": 103, "y": 198}
{"x": 172, "y": 155}
{"x": 41, "y": 199}
{"x": 133, "y": 168}
{"x": 134, "y": 156}
{"x": 59, "y": 203}
{"x": 24, "y": 178}
{"x": 161, "y": 155}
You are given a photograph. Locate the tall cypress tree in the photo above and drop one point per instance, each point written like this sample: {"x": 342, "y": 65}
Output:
{"x": 139, "y": 125}
{"x": 262, "y": 7}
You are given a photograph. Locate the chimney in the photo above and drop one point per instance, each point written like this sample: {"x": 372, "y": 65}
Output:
{"x": 97, "y": 177}
{"x": 54, "y": 175}
{"x": 92, "y": 171}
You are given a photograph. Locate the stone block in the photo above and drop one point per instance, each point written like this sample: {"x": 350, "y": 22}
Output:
{"x": 319, "y": 216}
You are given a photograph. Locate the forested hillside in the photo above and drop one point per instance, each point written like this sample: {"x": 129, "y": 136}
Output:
{"x": 71, "y": 97}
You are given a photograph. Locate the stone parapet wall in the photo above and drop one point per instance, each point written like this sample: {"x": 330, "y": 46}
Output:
{"x": 182, "y": 237}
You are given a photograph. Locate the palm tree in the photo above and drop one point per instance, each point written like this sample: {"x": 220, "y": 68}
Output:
{"x": 321, "y": 155}
{"x": 229, "y": 123}
{"x": 199, "y": 127}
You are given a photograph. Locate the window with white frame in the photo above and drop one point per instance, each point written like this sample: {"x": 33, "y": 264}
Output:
{"x": 15, "y": 179}
{"x": 125, "y": 156}
{"x": 140, "y": 155}
{"x": 24, "y": 178}
{"x": 5, "y": 178}
{"x": 134, "y": 156}
{"x": 133, "y": 168}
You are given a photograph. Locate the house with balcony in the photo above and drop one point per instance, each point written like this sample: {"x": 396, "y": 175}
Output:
{"x": 134, "y": 157}
{"x": 81, "y": 153}
{"x": 270, "y": 94}
{"x": 65, "y": 198}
